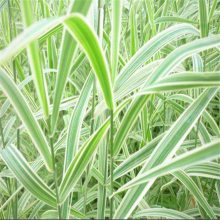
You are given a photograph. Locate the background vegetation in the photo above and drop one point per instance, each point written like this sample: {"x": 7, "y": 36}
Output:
{"x": 109, "y": 109}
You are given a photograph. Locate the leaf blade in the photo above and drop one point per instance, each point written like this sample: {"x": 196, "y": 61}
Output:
{"x": 22, "y": 109}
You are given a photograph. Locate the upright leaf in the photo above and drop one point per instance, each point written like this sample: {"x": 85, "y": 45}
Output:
{"x": 76, "y": 120}
{"x": 67, "y": 49}
{"x": 83, "y": 157}
{"x": 74, "y": 129}
{"x": 34, "y": 58}
{"x": 115, "y": 39}
{"x": 203, "y": 18}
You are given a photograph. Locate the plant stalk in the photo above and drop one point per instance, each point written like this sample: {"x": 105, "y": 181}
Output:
{"x": 111, "y": 161}
{"x": 54, "y": 170}
{"x": 2, "y": 134}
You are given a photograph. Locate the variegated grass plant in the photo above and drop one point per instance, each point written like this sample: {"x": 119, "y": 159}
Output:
{"x": 109, "y": 108}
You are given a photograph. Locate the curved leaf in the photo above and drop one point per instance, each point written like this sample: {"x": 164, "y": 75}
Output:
{"x": 68, "y": 47}
{"x": 151, "y": 47}
{"x": 83, "y": 157}
{"x": 183, "y": 81}
{"x": 22, "y": 109}
{"x": 89, "y": 42}
{"x": 163, "y": 213}
{"x": 201, "y": 154}
{"x": 165, "y": 150}
{"x": 26, "y": 175}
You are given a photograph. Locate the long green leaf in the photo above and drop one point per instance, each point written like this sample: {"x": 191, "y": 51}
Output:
{"x": 183, "y": 81}
{"x": 151, "y": 47}
{"x": 68, "y": 47}
{"x": 208, "y": 170}
{"x": 203, "y": 18}
{"x": 165, "y": 150}
{"x": 201, "y": 154}
{"x": 74, "y": 129}
{"x": 150, "y": 13}
{"x": 33, "y": 52}
{"x": 22, "y": 109}
{"x": 162, "y": 213}
{"x": 86, "y": 37}
{"x": 76, "y": 120}
{"x": 166, "y": 19}
{"x": 115, "y": 39}
{"x": 28, "y": 36}
{"x": 83, "y": 157}
{"x": 26, "y": 175}
{"x": 193, "y": 188}
{"x": 133, "y": 30}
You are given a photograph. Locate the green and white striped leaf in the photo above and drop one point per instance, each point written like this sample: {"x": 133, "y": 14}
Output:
{"x": 84, "y": 35}
{"x": 26, "y": 116}
{"x": 143, "y": 55}
{"x": 181, "y": 53}
{"x": 151, "y": 47}
{"x": 33, "y": 52}
{"x": 26, "y": 175}
{"x": 68, "y": 47}
{"x": 83, "y": 157}
{"x": 76, "y": 120}
{"x": 206, "y": 115}
{"x": 194, "y": 190}
{"x": 115, "y": 38}
{"x": 202, "y": 154}
{"x": 181, "y": 81}
{"x": 208, "y": 170}
{"x": 136, "y": 159}
{"x": 80, "y": 162}
{"x": 162, "y": 213}
{"x": 203, "y": 18}
{"x": 169, "y": 19}
{"x": 165, "y": 150}
{"x": 171, "y": 61}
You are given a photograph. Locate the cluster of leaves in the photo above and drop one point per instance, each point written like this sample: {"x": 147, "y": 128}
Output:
{"x": 109, "y": 109}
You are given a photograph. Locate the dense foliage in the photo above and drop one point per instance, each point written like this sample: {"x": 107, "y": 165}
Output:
{"x": 109, "y": 108}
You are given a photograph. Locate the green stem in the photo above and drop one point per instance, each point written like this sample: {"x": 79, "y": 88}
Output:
{"x": 105, "y": 180}
{"x": 55, "y": 177}
{"x": 91, "y": 132}
{"x": 210, "y": 201}
{"x": 197, "y": 132}
{"x": 15, "y": 200}
{"x": 2, "y": 134}
{"x": 99, "y": 28}
{"x": 111, "y": 161}
{"x": 93, "y": 107}
{"x": 54, "y": 170}
{"x": 164, "y": 113}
